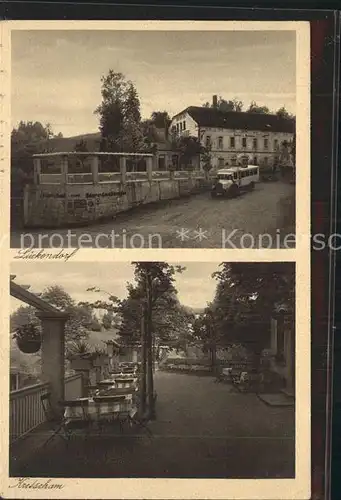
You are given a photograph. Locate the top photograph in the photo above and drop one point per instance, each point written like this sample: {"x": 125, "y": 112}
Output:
{"x": 154, "y": 138}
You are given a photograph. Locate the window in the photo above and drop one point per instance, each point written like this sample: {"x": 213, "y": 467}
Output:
{"x": 208, "y": 140}
{"x": 177, "y": 128}
{"x": 184, "y": 125}
{"x": 265, "y": 160}
{"x": 275, "y": 143}
{"x": 244, "y": 142}
{"x": 266, "y": 143}
{"x": 220, "y": 142}
{"x": 180, "y": 125}
{"x": 232, "y": 142}
{"x": 175, "y": 161}
{"x": 255, "y": 160}
{"x": 221, "y": 162}
{"x": 233, "y": 161}
{"x": 255, "y": 144}
{"x": 162, "y": 163}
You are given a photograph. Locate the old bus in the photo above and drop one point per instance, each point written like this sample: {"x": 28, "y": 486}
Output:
{"x": 231, "y": 181}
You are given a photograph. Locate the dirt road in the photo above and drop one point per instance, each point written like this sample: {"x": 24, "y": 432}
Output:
{"x": 194, "y": 222}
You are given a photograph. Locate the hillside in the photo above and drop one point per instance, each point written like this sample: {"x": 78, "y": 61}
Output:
{"x": 67, "y": 144}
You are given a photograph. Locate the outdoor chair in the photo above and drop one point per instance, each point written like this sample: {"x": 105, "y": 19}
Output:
{"x": 93, "y": 390}
{"x": 60, "y": 427}
{"x": 116, "y": 408}
{"x": 76, "y": 413}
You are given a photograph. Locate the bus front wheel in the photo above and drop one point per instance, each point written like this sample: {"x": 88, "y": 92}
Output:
{"x": 234, "y": 191}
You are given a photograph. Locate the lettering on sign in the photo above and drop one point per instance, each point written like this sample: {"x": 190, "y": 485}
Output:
{"x": 87, "y": 195}
{"x": 53, "y": 195}
{"x": 103, "y": 195}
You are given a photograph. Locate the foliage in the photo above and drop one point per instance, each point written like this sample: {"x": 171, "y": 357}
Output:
{"x": 27, "y": 139}
{"x": 108, "y": 320}
{"x": 81, "y": 146}
{"x": 226, "y": 105}
{"x": 160, "y": 119}
{"x": 188, "y": 148}
{"x": 28, "y": 332}
{"x": 254, "y": 108}
{"x": 245, "y": 299}
{"x": 170, "y": 318}
{"x": 283, "y": 113}
{"x": 77, "y": 348}
{"x": 119, "y": 113}
{"x": 82, "y": 318}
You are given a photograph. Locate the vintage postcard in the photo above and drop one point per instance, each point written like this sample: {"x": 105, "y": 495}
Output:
{"x": 155, "y": 260}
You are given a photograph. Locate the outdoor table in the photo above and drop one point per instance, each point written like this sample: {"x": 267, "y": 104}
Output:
{"x": 114, "y": 375}
{"x": 125, "y": 382}
{"x": 226, "y": 371}
{"x": 97, "y": 409}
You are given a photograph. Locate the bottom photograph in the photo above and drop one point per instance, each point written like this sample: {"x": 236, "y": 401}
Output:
{"x": 152, "y": 370}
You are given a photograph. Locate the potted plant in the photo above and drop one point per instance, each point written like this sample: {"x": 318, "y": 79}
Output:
{"x": 100, "y": 357}
{"x": 28, "y": 338}
{"x": 80, "y": 355}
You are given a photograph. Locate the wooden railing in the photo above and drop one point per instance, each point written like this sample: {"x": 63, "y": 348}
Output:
{"x": 26, "y": 411}
{"x": 116, "y": 177}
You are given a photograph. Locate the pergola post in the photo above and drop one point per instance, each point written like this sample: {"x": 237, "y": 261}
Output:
{"x": 123, "y": 170}
{"x": 52, "y": 354}
{"x": 36, "y": 170}
{"x": 149, "y": 162}
{"x": 64, "y": 170}
{"x": 94, "y": 169}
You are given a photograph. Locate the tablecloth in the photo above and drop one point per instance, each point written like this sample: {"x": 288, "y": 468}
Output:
{"x": 96, "y": 410}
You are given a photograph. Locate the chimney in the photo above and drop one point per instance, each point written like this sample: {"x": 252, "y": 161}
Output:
{"x": 215, "y": 101}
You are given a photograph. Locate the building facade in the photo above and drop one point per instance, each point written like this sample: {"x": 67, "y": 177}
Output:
{"x": 229, "y": 134}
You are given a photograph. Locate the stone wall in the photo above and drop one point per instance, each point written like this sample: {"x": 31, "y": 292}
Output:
{"x": 55, "y": 205}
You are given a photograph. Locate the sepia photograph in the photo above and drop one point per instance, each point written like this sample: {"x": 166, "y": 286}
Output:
{"x": 154, "y": 138}
{"x": 152, "y": 370}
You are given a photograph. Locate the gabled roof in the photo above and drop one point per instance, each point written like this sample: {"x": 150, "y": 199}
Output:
{"x": 210, "y": 117}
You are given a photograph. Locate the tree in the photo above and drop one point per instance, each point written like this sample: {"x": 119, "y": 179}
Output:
{"x": 81, "y": 146}
{"x": 245, "y": 300}
{"x": 119, "y": 112}
{"x": 206, "y": 332}
{"x": 283, "y": 113}
{"x": 226, "y": 105}
{"x": 189, "y": 147}
{"x": 151, "y": 315}
{"x": 153, "y": 280}
{"x": 160, "y": 119}
{"x": 82, "y": 318}
{"x": 27, "y": 139}
{"x": 254, "y": 108}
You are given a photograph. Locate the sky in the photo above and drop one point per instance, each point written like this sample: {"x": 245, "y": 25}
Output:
{"x": 56, "y": 74}
{"x": 195, "y": 285}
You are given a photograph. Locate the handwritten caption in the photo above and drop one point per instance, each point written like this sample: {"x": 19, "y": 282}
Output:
{"x": 34, "y": 484}
{"x": 29, "y": 254}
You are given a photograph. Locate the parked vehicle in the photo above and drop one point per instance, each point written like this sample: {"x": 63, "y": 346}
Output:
{"x": 231, "y": 181}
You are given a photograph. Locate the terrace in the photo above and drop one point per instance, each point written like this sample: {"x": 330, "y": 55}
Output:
{"x": 202, "y": 429}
